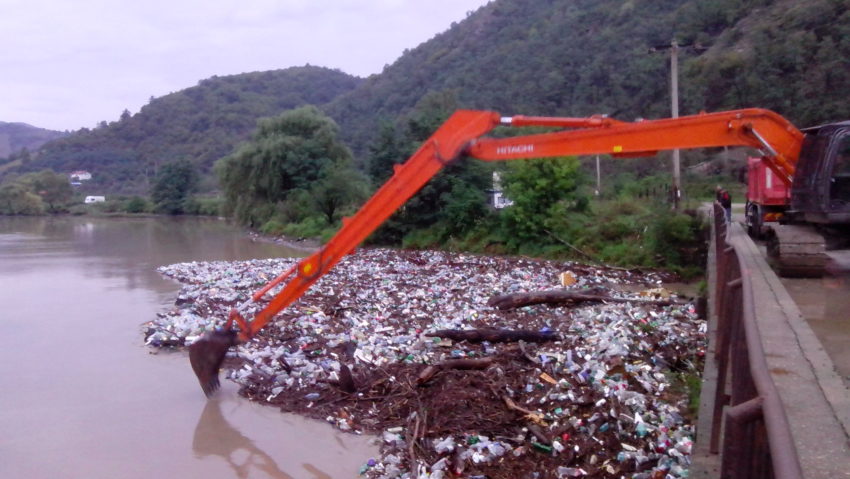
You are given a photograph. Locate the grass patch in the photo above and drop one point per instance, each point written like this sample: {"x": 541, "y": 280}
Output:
{"x": 688, "y": 386}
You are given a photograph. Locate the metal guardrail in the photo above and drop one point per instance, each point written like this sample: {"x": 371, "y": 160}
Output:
{"x": 757, "y": 441}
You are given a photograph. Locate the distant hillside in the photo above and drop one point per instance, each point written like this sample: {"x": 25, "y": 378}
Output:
{"x": 201, "y": 124}
{"x": 16, "y": 136}
{"x": 581, "y": 57}
{"x": 547, "y": 57}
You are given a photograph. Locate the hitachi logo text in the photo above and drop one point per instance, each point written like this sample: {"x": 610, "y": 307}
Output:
{"x": 514, "y": 150}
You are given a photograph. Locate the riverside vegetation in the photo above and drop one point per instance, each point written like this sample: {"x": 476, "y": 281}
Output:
{"x": 551, "y": 58}
{"x": 297, "y": 178}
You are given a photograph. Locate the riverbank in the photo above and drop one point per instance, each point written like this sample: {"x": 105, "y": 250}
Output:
{"x": 604, "y": 398}
{"x": 307, "y": 245}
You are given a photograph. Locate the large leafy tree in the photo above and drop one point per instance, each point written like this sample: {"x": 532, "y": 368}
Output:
{"x": 341, "y": 187}
{"x": 16, "y": 199}
{"x": 174, "y": 183}
{"x": 385, "y": 152}
{"x": 53, "y": 188}
{"x": 454, "y": 200}
{"x": 288, "y": 153}
{"x": 543, "y": 192}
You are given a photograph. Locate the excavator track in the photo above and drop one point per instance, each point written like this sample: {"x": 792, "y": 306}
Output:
{"x": 797, "y": 251}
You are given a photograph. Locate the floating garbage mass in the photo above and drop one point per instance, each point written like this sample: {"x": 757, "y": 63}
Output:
{"x": 599, "y": 394}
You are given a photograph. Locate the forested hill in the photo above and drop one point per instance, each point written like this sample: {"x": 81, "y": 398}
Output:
{"x": 542, "y": 57}
{"x": 15, "y": 137}
{"x": 201, "y": 124}
{"x": 581, "y": 57}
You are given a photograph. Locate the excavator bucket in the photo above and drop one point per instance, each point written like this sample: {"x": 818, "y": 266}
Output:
{"x": 206, "y": 356}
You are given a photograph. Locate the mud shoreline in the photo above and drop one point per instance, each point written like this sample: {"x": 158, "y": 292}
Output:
{"x": 307, "y": 245}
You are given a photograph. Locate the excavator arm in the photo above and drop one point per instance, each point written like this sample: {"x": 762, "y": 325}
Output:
{"x": 761, "y": 129}
{"x": 461, "y": 135}
{"x": 447, "y": 144}
{"x": 444, "y": 146}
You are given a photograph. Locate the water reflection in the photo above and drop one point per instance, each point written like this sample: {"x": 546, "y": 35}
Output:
{"x": 130, "y": 249}
{"x": 74, "y": 290}
{"x": 836, "y": 284}
{"x": 316, "y": 472}
{"x": 215, "y": 436}
{"x": 825, "y": 304}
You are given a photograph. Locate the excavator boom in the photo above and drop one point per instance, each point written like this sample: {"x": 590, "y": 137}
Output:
{"x": 461, "y": 135}
{"x": 761, "y": 129}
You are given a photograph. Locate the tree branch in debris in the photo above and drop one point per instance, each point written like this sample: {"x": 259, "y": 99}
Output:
{"x": 562, "y": 296}
{"x": 532, "y": 416}
{"x": 562, "y": 241}
{"x": 467, "y": 364}
{"x": 495, "y": 335}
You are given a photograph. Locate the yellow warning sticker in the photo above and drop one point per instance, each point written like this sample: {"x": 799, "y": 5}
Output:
{"x": 618, "y": 148}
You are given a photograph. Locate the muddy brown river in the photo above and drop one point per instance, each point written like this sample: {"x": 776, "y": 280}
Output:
{"x": 83, "y": 397}
{"x": 825, "y": 305}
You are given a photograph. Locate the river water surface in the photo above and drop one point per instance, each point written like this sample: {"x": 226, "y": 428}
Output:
{"x": 83, "y": 397}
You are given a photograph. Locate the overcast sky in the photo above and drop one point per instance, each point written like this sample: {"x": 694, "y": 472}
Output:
{"x": 67, "y": 64}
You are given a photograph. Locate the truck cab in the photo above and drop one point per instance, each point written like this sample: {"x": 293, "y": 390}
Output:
{"x": 821, "y": 190}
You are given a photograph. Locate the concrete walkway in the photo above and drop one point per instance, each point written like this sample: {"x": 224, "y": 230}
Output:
{"x": 816, "y": 401}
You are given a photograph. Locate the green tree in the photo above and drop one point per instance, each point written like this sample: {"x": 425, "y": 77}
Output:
{"x": 385, "y": 152}
{"x": 54, "y": 189}
{"x": 466, "y": 206}
{"x": 173, "y": 184}
{"x": 452, "y": 202}
{"x": 543, "y": 191}
{"x": 287, "y": 153}
{"x": 136, "y": 204}
{"x": 341, "y": 187}
{"x": 16, "y": 199}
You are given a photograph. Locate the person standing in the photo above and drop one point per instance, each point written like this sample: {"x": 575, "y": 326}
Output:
{"x": 726, "y": 202}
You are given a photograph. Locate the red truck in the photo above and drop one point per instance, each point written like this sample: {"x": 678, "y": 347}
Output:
{"x": 767, "y": 197}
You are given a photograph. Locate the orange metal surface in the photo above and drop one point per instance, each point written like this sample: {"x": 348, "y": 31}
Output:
{"x": 594, "y": 135}
{"x": 589, "y": 122}
{"x": 731, "y": 128}
{"x": 259, "y": 294}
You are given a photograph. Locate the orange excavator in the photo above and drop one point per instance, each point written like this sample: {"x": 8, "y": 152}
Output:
{"x": 462, "y": 135}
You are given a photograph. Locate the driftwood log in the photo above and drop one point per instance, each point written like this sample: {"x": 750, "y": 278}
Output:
{"x": 433, "y": 369}
{"x": 562, "y": 296}
{"x": 496, "y": 335}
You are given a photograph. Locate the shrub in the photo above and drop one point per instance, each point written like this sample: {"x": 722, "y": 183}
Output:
{"x": 677, "y": 242}
{"x": 136, "y": 204}
{"x": 273, "y": 227}
{"x": 312, "y": 227}
{"x": 203, "y": 206}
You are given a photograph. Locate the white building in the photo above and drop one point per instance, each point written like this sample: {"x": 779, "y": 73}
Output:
{"x": 79, "y": 175}
{"x": 498, "y": 199}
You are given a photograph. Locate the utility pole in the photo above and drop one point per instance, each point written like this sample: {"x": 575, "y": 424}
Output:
{"x": 674, "y": 94}
{"x": 674, "y": 46}
{"x": 598, "y": 178}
